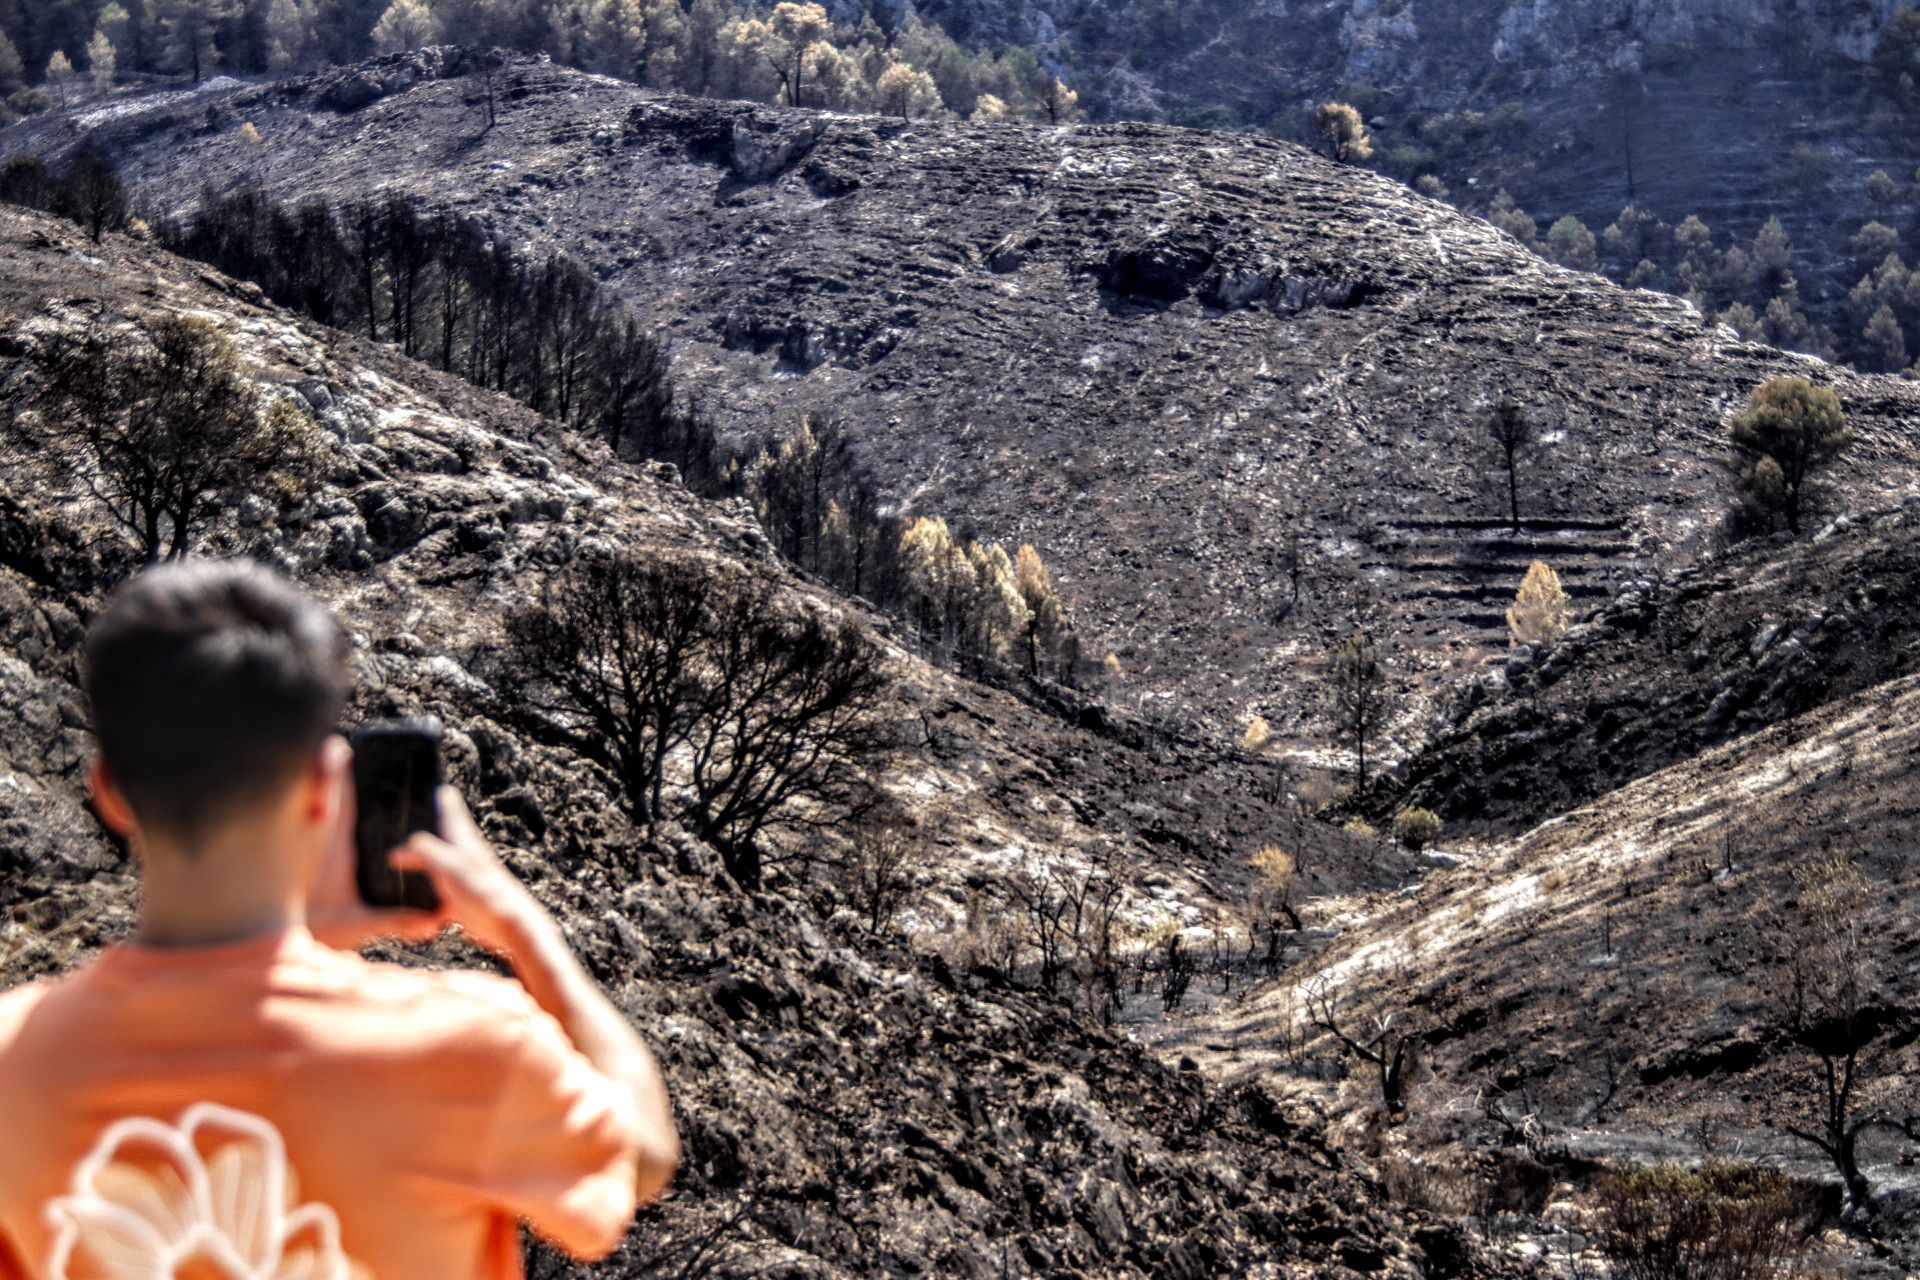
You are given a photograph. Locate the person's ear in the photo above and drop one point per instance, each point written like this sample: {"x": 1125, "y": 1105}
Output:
{"x": 108, "y": 803}
{"x": 325, "y": 780}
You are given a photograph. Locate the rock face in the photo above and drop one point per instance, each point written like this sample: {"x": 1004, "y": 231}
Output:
{"x": 1445, "y": 51}
{"x": 1158, "y": 354}
{"x": 1701, "y": 107}
{"x": 850, "y": 1108}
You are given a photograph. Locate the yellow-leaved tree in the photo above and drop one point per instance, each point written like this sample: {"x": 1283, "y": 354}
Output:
{"x": 904, "y": 91}
{"x": 998, "y": 616}
{"x": 1045, "y": 619}
{"x": 59, "y": 72}
{"x": 940, "y": 577}
{"x": 1539, "y": 611}
{"x": 1342, "y": 133}
{"x": 1276, "y": 871}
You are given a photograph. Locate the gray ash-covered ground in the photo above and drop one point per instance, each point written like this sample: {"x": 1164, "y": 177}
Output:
{"x": 1632, "y": 807}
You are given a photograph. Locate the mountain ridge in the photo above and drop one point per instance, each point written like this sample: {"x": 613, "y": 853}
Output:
{"x": 1253, "y": 340}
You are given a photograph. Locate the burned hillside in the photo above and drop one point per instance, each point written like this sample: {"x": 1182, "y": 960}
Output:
{"x": 852, "y": 1108}
{"x": 1164, "y": 356}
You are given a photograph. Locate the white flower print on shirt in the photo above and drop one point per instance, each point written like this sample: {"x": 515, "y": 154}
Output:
{"x": 208, "y": 1198}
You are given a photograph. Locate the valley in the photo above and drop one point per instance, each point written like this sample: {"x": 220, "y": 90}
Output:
{"x": 847, "y": 1103}
{"x": 1117, "y": 961}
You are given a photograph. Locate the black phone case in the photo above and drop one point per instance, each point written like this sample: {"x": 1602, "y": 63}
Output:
{"x": 396, "y": 779}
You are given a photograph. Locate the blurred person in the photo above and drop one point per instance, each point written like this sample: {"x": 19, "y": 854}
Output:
{"x": 233, "y": 1093}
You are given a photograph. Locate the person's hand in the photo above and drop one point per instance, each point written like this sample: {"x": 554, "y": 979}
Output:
{"x": 477, "y": 890}
{"x": 336, "y": 914}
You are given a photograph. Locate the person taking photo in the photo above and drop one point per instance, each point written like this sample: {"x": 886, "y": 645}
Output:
{"x": 234, "y": 1093}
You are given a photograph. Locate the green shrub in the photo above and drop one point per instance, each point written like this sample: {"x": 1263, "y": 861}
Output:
{"x": 1722, "y": 1221}
{"x": 1360, "y": 827}
{"x": 1417, "y": 828}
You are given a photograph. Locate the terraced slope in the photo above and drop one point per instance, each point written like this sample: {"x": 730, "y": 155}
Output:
{"x": 1154, "y": 352}
{"x": 1675, "y": 666}
{"x": 1464, "y": 570}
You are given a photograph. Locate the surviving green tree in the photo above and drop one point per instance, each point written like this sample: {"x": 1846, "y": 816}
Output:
{"x": 1790, "y": 431}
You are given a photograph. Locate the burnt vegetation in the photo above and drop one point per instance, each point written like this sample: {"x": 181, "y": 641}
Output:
{"x": 1833, "y": 1005}
{"x": 1513, "y": 433}
{"x": 1389, "y": 1043}
{"x": 159, "y": 429}
{"x": 1722, "y": 1221}
{"x": 544, "y": 331}
{"x": 444, "y": 292}
{"x": 774, "y": 714}
{"x": 86, "y": 189}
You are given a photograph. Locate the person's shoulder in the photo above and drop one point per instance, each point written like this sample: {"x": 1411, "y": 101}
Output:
{"x": 17, "y": 1009}
{"x": 439, "y": 1004}
{"x": 17, "y": 1005}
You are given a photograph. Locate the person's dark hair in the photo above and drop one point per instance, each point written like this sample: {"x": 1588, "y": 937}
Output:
{"x": 211, "y": 684}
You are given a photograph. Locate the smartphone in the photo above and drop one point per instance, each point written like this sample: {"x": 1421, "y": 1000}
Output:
{"x": 396, "y": 789}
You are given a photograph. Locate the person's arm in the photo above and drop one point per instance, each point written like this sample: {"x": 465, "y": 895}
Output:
{"x": 481, "y": 895}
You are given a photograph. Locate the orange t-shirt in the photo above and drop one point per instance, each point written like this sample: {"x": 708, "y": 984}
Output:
{"x": 277, "y": 1110}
